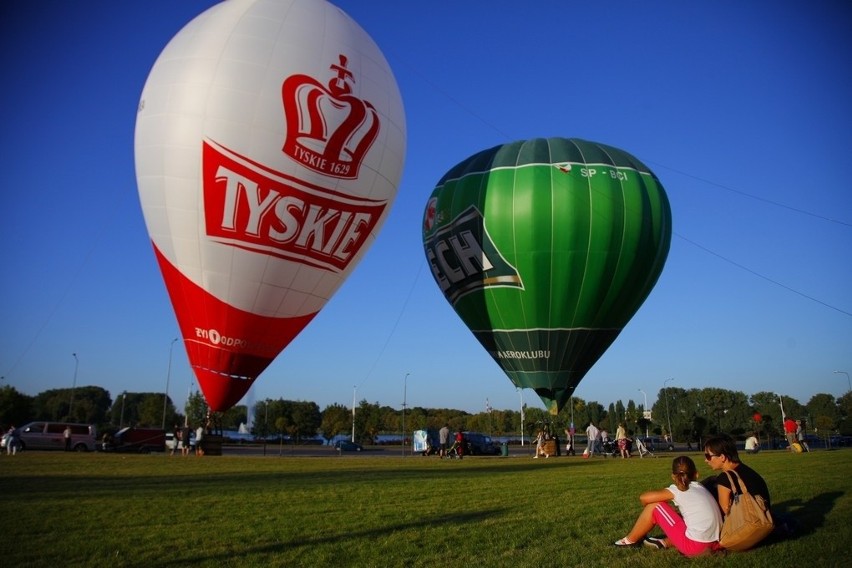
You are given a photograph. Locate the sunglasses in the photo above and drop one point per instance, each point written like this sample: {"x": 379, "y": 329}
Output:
{"x": 709, "y": 457}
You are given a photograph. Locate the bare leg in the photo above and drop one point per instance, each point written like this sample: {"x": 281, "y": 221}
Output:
{"x": 643, "y": 524}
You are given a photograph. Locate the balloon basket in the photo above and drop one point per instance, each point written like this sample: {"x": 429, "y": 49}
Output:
{"x": 211, "y": 444}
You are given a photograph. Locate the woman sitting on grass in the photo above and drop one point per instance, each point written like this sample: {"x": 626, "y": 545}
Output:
{"x": 695, "y": 530}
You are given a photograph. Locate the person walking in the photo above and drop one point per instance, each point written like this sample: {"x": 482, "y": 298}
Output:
{"x": 593, "y": 435}
{"x": 621, "y": 440}
{"x": 460, "y": 444}
{"x": 539, "y": 444}
{"x": 569, "y": 447}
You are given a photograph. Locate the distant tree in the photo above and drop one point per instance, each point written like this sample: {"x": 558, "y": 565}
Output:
{"x": 502, "y": 421}
{"x": 15, "y": 408}
{"x": 767, "y": 405}
{"x": 632, "y": 416}
{"x": 143, "y": 409}
{"x": 416, "y": 418}
{"x": 196, "y": 409}
{"x": 336, "y": 419}
{"x": 306, "y": 419}
{"x": 368, "y": 421}
{"x": 149, "y": 411}
{"x": 535, "y": 418}
{"x": 90, "y": 405}
{"x": 597, "y": 413}
{"x": 844, "y": 406}
{"x": 232, "y": 418}
{"x": 261, "y": 426}
{"x": 612, "y": 418}
{"x": 822, "y": 409}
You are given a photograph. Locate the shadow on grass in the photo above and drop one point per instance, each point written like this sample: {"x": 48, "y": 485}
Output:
{"x": 98, "y": 484}
{"x": 459, "y": 519}
{"x": 796, "y": 517}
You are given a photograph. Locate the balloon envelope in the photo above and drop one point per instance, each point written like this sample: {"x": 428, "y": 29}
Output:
{"x": 546, "y": 248}
{"x": 270, "y": 139}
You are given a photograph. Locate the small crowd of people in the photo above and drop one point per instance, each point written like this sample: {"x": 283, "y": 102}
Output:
{"x": 12, "y": 440}
{"x": 546, "y": 443}
{"x": 599, "y": 441}
{"x": 184, "y": 442}
{"x": 695, "y": 526}
{"x": 447, "y": 450}
{"x": 795, "y": 435}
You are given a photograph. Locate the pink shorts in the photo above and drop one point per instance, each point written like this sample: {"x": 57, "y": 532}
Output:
{"x": 672, "y": 524}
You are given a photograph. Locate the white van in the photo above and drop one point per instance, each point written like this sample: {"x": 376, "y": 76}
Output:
{"x": 49, "y": 436}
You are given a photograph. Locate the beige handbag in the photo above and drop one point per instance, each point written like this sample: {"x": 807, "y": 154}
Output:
{"x": 748, "y": 521}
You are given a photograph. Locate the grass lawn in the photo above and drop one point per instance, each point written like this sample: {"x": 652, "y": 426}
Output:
{"x": 62, "y": 510}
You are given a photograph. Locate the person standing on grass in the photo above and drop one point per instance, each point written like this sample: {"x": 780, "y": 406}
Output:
{"x": 621, "y": 440}
{"x": 593, "y": 435}
{"x": 790, "y": 432}
{"x": 184, "y": 438}
{"x": 199, "y": 435}
{"x": 443, "y": 440}
{"x": 539, "y": 444}
{"x": 460, "y": 444}
{"x": 12, "y": 441}
{"x": 66, "y": 434}
{"x": 693, "y": 531}
{"x": 800, "y": 436}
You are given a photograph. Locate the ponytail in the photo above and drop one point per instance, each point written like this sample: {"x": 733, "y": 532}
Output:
{"x": 684, "y": 472}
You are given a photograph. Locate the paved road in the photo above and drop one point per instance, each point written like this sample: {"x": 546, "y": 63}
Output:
{"x": 274, "y": 450}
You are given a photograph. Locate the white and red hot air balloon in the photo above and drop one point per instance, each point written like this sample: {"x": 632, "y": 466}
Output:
{"x": 270, "y": 141}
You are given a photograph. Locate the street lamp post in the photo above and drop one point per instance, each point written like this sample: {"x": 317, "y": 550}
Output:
{"x": 354, "y": 389}
{"x": 404, "y": 401}
{"x": 73, "y": 385}
{"x": 121, "y": 420}
{"x": 521, "y": 393}
{"x": 168, "y": 376}
{"x": 847, "y": 378}
{"x": 645, "y": 411}
{"x": 668, "y": 416}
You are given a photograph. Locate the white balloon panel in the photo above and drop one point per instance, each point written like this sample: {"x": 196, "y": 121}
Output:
{"x": 270, "y": 141}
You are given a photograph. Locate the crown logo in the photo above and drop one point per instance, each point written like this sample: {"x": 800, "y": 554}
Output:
{"x": 329, "y": 130}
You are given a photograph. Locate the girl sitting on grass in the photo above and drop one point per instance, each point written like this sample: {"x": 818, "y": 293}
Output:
{"x": 695, "y": 530}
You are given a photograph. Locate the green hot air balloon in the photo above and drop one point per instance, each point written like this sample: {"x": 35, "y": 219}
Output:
{"x": 546, "y": 248}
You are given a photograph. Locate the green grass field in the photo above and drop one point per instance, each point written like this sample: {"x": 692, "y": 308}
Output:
{"x": 63, "y": 510}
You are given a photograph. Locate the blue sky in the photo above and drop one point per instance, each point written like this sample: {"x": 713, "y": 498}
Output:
{"x": 741, "y": 109}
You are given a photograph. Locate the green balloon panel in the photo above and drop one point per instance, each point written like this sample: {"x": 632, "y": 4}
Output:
{"x": 546, "y": 248}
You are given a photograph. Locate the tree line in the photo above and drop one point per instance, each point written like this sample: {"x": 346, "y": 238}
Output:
{"x": 685, "y": 414}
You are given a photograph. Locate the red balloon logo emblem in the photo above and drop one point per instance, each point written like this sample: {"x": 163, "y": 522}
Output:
{"x": 270, "y": 141}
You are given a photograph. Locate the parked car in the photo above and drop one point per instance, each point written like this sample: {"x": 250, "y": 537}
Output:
{"x": 347, "y": 446}
{"x": 480, "y": 444}
{"x": 50, "y": 436}
{"x": 137, "y": 440}
{"x": 657, "y": 444}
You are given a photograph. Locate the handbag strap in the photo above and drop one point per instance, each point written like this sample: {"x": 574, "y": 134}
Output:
{"x": 741, "y": 484}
